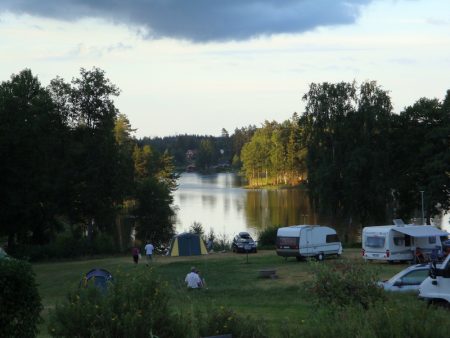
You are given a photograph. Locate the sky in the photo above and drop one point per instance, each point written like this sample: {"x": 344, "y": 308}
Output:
{"x": 197, "y": 66}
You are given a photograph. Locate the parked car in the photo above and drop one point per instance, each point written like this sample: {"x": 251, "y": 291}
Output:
{"x": 408, "y": 279}
{"x": 243, "y": 242}
{"x": 436, "y": 288}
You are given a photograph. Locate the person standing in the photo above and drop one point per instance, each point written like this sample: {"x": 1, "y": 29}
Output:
{"x": 192, "y": 279}
{"x": 149, "y": 251}
{"x": 135, "y": 253}
{"x": 209, "y": 245}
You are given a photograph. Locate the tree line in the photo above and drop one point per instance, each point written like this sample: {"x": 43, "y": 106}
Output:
{"x": 359, "y": 161}
{"x": 70, "y": 164}
{"x": 204, "y": 152}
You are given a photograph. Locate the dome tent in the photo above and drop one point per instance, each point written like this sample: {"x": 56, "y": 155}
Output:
{"x": 100, "y": 278}
{"x": 187, "y": 244}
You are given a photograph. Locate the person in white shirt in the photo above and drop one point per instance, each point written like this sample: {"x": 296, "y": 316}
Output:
{"x": 193, "y": 280}
{"x": 149, "y": 251}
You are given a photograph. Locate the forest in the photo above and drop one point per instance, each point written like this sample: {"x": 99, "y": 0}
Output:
{"x": 358, "y": 160}
{"x": 75, "y": 179}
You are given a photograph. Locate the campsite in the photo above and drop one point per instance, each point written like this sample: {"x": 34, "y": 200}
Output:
{"x": 234, "y": 284}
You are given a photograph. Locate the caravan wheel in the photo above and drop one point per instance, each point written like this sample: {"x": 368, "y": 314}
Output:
{"x": 320, "y": 257}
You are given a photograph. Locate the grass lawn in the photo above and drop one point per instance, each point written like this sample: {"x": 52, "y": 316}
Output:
{"x": 231, "y": 282}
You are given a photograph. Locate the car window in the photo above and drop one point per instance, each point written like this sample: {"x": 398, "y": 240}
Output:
{"x": 415, "y": 277}
{"x": 246, "y": 239}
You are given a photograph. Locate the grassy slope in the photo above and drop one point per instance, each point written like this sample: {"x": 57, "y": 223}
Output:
{"x": 231, "y": 282}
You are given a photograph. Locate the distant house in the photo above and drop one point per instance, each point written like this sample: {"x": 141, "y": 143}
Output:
{"x": 190, "y": 155}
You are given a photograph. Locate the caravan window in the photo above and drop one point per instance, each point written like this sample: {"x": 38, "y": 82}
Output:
{"x": 375, "y": 241}
{"x": 432, "y": 240}
{"x": 291, "y": 242}
{"x": 399, "y": 241}
{"x": 332, "y": 238}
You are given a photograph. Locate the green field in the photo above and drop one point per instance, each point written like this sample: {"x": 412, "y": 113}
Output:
{"x": 231, "y": 282}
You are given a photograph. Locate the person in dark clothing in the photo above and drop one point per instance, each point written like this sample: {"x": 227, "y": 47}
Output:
{"x": 135, "y": 253}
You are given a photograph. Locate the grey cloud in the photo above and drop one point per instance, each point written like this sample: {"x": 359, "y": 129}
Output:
{"x": 438, "y": 22}
{"x": 201, "y": 20}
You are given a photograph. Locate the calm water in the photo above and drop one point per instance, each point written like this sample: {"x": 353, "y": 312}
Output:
{"x": 220, "y": 203}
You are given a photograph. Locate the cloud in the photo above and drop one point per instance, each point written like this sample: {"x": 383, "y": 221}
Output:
{"x": 200, "y": 20}
{"x": 438, "y": 22}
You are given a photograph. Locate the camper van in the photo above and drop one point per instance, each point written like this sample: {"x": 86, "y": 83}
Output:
{"x": 401, "y": 242}
{"x": 302, "y": 241}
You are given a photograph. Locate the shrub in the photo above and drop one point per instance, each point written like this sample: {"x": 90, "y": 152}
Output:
{"x": 268, "y": 237}
{"x": 346, "y": 283}
{"x": 66, "y": 247}
{"x": 197, "y": 228}
{"x": 399, "y": 316}
{"x": 225, "y": 321}
{"x": 222, "y": 243}
{"x": 20, "y": 302}
{"x": 134, "y": 305}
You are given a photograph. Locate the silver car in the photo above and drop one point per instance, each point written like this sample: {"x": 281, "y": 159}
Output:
{"x": 408, "y": 279}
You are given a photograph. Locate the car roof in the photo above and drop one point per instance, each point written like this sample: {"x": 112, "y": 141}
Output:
{"x": 417, "y": 267}
{"x": 422, "y": 266}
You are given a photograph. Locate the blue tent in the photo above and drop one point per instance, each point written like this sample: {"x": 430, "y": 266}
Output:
{"x": 97, "y": 277}
{"x": 187, "y": 244}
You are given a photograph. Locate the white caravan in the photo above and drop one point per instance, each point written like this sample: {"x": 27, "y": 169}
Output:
{"x": 436, "y": 288}
{"x": 302, "y": 241}
{"x": 400, "y": 242}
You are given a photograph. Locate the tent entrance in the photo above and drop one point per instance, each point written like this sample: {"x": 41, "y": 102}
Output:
{"x": 189, "y": 246}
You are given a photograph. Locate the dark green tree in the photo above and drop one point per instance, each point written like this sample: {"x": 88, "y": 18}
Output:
{"x": 155, "y": 179}
{"x": 422, "y": 134}
{"x": 347, "y": 138}
{"x": 207, "y": 154}
{"x": 94, "y": 170}
{"x": 31, "y": 137}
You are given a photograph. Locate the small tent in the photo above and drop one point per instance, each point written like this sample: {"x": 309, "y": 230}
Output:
{"x": 187, "y": 244}
{"x": 100, "y": 278}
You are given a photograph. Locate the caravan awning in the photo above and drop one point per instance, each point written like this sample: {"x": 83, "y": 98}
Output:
{"x": 421, "y": 231}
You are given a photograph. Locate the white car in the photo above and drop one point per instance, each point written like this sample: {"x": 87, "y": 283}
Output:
{"x": 436, "y": 288}
{"x": 408, "y": 279}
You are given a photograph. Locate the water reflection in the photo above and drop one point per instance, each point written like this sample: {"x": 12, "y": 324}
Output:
{"x": 220, "y": 203}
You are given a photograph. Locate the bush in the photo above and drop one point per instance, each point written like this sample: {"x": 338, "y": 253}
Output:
{"x": 399, "y": 316}
{"x": 222, "y": 243}
{"x": 20, "y": 302}
{"x": 225, "y": 321}
{"x": 66, "y": 247}
{"x": 268, "y": 237}
{"x": 346, "y": 283}
{"x": 134, "y": 305}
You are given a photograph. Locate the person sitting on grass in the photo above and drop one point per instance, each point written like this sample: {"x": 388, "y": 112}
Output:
{"x": 202, "y": 280}
{"x": 193, "y": 280}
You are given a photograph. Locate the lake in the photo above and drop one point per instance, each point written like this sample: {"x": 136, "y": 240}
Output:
{"x": 219, "y": 202}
